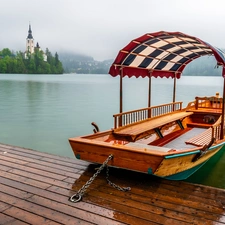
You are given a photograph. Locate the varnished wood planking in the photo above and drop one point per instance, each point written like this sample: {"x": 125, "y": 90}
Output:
{"x": 164, "y": 200}
{"x": 9, "y": 220}
{"x": 14, "y": 181}
{"x": 45, "y": 182}
{"x": 60, "y": 204}
{"x": 62, "y": 166}
{"x": 143, "y": 126}
{"x": 140, "y": 160}
{"x": 40, "y": 155}
{"x": 22, "y": 215}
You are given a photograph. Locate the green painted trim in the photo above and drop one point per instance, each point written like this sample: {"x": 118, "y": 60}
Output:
{"x": 77, "y": 156}
{"x": 185, "y": 174}
{"x": 181, "y": 155}
{"x": 149, "y": 170}
{"x": 216, "y": 146}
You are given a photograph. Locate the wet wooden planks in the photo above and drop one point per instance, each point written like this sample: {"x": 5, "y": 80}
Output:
{"x": 35, "y": 187}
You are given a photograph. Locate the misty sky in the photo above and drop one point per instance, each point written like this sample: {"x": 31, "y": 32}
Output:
{"x": 100, "y": 28}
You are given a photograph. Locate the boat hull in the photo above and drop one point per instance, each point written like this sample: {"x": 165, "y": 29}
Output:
{"x": 183, "y": 167}
{"x": 173, "y": 166}
{"x": 122, "y": 157}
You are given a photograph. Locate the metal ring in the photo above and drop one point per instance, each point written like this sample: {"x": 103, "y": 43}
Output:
{"x": 72, "y": 198}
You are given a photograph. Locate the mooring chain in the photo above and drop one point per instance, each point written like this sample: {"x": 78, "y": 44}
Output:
{"x": 78, "y": 196}
{"x": 113, "y": 184}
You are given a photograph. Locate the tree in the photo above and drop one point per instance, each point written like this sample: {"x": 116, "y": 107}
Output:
{"x": 21, "y": 68}
{"x": 31, "y": 66}
{"x": 58, "y": 64}
{"x": 56, "y": 59}
{"x": 5, "y": 52}
{"x": 29, "y": 63}
{"x": 3, "y": 66}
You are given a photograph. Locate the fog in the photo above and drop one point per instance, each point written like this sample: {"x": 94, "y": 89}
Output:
{"x": 100, "y": 28}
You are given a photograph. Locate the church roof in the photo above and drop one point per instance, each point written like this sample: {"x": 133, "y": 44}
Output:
{"x": 30, "y": 33}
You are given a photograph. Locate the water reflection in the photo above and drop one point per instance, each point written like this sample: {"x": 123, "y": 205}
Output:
{"x": 212, "y": 173}
{"x": 151, "y": 199}
{"x": 42, "y": 111}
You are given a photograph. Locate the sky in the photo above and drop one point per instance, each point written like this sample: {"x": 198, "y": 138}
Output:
{"x": 100, "y": 28}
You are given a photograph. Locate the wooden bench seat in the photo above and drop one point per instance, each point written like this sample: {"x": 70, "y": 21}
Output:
{"x": 201, "y": 139}
{"x": 136, "y": 129}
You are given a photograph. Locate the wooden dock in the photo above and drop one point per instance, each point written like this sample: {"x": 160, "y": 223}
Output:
{"x": 35, "y": 187}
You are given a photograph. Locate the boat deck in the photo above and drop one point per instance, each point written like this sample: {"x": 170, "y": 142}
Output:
{"x": 179, "y": 142}
{"x": 137, "y": 129}
{"x": 35, "y": 187}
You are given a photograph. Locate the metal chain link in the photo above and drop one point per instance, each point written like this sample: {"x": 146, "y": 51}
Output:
{"x": 113, "y": 184}
{"x": 78, "y": 196}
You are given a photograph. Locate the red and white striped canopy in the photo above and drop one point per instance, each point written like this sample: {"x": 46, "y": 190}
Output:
{"x": 162, "y": 54}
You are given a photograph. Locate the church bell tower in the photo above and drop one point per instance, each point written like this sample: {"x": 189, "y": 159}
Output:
{"x": 30, "y": 42}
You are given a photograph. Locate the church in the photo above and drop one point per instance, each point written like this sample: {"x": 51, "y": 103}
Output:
{"x": 30, "y": 47}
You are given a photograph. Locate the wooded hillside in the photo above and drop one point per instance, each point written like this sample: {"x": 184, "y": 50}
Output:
{"x": 29, "y": 64}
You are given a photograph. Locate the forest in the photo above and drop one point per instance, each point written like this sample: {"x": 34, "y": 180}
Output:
{"x": 203, "y": 66}
{"x": 82, "y": 64}
{"x": 18, "y": 63}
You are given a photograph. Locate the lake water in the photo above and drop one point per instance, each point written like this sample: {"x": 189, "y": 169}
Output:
{"x": 42, "y": 111}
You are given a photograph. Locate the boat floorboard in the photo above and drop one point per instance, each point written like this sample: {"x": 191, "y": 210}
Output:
{"x": 35, "y": 187}
{"x": 179, "y": 142}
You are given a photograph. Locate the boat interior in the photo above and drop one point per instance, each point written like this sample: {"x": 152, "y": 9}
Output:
{"x": 167, "y": 127}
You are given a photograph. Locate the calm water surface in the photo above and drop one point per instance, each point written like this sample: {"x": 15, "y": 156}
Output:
{"x": 42, "y": 111}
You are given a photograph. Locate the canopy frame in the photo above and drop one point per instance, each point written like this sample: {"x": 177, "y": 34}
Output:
{"x": 163, "y": 54}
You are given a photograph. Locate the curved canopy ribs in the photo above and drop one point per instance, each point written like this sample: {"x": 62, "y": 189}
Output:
{"x": 162, "y": 54}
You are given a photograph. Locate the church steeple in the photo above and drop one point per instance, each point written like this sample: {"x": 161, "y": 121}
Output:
{"x": 30, "y": 48}
{"x": 30, "y": 33}
{"x": 30, "y": 41}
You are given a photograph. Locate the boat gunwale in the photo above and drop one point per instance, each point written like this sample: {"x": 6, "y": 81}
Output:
{"x": 134, "y": 149}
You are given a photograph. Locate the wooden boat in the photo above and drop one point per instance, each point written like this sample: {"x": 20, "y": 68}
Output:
{"x": 169, "y": 140}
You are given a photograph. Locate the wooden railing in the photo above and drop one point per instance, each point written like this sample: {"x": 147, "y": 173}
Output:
{"x": 191, "y": 105}
{"x": 216, "y": 129}
{"x": 208, "y": 102}
{"x": 134, "y": 116}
